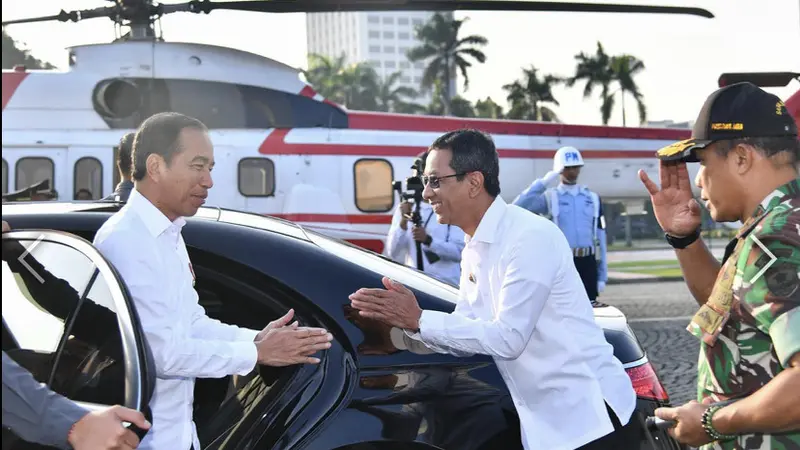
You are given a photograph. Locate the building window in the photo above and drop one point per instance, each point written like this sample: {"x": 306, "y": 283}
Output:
{"x": 417, "y": 21}
{"x": 388, "y": 20}
{"x": 417, "y": 79}
{"x": 390, "y": 64}
{"x": 5, "y": 177}
{"x": 373, "y": 185}
{"x": 405, "y": 79}
{"x": 388, "y": 34}
{"x": 402, "y": 21}
{"x": 375, "y": 63}
{"x": 373, "y": 34}
{"x": 257, "y": 177}
{"x": 374, "y": 48}
{"x": 403, "y": 50}
{"x": 405, "y": 64}
{"x": 403, "y": 36}
{"x": 388, "y": 49}
{"x": 33, "y": 170}
{"x": 88, "y": 179}
{"x": 419, "y": 65}
{"x": 373, "y": 19}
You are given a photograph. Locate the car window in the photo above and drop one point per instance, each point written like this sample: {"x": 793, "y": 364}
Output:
{"x": 406, "y": 275}
{"x": 62, "y": 322}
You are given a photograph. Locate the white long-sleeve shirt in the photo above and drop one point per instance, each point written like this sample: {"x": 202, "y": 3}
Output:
{"x": 522, "y": 302}
{"x": 149, "y": 252}
{"x": 446, "y": 241}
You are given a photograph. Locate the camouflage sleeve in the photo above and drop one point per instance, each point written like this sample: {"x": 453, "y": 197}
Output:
{"x": 771, "y": 281}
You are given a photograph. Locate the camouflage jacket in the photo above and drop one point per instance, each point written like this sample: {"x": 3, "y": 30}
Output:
{"x": 763, "y": 330}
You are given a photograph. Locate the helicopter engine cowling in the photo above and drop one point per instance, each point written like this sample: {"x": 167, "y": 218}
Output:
{"x": 117, "y": 98}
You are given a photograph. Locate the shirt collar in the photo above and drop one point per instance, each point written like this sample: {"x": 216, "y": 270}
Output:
{"x": 155, "y": 221}
{"x": 487, "y": 228}
{"x": 781, "y": 194}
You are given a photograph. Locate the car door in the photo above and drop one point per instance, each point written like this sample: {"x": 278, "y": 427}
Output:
{"x": 68, "y": 319}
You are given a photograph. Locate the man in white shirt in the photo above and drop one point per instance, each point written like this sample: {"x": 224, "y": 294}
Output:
{"x": 172, "y": 161}
{"x": 441, "y": 243}
{"x": 522, "y": 302}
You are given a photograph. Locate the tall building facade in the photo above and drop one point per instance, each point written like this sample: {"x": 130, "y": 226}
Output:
{"x": 381, "y": 38}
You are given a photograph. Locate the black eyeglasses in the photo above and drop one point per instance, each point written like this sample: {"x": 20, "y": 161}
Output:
{"x": 433, "y": 180}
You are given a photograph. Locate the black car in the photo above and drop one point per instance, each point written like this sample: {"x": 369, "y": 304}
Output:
{"x": 68, "y": 318}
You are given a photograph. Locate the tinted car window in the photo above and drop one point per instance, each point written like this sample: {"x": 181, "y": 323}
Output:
{"x": 60, "y": 319}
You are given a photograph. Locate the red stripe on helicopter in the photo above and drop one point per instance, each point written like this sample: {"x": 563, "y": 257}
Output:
{"x": 363, "y": 219}
{"x": 405, "y": 122}
{"x": 11, "y": 81}
{"x": 275, "y": 144}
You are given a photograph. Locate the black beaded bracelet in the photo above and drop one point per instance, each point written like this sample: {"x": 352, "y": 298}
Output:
{"x": 708, "y": 416}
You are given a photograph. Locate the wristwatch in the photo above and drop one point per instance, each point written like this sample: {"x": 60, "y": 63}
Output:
{"x": 682, "y": 242}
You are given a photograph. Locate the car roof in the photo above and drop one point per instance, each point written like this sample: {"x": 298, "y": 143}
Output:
{"x": 214, "y": 213}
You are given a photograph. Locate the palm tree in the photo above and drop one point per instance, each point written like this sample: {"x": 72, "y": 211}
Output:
{"x": 354, "y": 86}
{"x": 460, "y": 107}
{"x": 488, "y": 109}
{"x": 527, "y": 96}
{"x": 391, "y": 97}
{"x": 596, "y": 70}
{"x": 602, "y": 70}
{"x": 625, "y": 67}
{"x": 324, "y": 74}
{"x": 448, "y": 52}
{"x": 13, "y": 55}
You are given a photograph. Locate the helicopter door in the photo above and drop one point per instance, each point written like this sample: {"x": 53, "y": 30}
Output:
{"x": 90, "y": 173}
{"x": 31, "y": 165}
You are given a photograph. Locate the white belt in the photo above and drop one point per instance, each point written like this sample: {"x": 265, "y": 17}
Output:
{"x": 582, "y": 251}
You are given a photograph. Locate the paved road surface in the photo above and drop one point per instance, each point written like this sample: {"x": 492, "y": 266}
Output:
{"x": 718, "y": 249}
{"x": 658, "y": 314}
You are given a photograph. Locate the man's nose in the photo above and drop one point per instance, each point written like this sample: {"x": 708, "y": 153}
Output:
{"x": 427, "y": 193}
{"x": 698, "y": 179}
{"x": 207, "y": 181}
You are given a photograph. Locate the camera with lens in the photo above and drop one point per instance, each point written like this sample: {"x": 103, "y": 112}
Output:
{"x": 413, "y": 191}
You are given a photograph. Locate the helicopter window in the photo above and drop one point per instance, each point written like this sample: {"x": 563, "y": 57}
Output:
{"x": 5, "y": 177}
{"x": 88, "y": 179}
{"x": 33, "y": 170}
{"x": 373, "y": 185}
{"x": 256, "y": 177}
{"x": 217, "y": 105}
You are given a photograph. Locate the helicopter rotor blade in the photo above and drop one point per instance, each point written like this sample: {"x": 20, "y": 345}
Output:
{"x": 65, "y": 16}
{"x": 313, "y": 6}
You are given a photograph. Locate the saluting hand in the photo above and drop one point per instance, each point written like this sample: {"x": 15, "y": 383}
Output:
{"x": 676, "y": 210}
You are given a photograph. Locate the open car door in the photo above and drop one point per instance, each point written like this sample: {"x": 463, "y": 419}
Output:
{"x": 68, "y": 318}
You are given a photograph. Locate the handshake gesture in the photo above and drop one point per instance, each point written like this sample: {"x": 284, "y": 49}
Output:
{"x": 282, "y": 344}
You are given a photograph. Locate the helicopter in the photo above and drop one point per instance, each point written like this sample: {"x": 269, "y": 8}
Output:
{"x": 281, "y": 148}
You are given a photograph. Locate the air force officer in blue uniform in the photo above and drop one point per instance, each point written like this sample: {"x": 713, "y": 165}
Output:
{"x": 577, "y": 211}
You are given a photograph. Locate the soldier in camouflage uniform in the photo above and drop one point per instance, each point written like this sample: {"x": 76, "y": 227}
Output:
{"x": 748, "y": 324}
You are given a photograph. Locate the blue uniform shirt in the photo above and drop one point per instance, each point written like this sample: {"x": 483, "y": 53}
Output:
{"x": 576, "y": 216}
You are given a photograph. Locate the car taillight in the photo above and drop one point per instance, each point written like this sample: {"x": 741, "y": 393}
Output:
{"x": 646, "y": 382}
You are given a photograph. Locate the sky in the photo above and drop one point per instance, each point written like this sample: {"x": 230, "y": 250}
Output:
{"x": 683, "y": 55}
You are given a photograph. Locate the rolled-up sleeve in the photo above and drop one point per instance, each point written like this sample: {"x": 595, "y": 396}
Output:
{"x": 34, "y": 412}
{"x": 174, "y": 354}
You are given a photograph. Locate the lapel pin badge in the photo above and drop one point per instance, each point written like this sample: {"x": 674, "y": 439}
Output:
{"x": 471, "y": 277}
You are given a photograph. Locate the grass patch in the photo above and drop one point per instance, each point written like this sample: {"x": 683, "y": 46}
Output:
{"x": 660, "y": 272}
{"x": 629, "y": 264}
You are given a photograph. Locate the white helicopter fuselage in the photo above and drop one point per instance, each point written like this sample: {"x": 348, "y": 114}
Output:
{"x": 280, "y": 148}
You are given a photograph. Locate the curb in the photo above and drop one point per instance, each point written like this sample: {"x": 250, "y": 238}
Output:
{"x": 642, "y": 280}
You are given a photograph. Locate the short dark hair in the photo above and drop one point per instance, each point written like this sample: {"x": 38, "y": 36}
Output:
{"x": 159, "y": 135}
{"x": 783, "y": 150}
{"x": 473, "y": 151}
{"x": 422, "y": 157}
{"x": 124, "y": 153}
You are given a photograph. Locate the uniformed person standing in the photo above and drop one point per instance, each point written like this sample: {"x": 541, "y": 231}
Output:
{"x": 748, "y": 323}
{"x": 577, "y": 211}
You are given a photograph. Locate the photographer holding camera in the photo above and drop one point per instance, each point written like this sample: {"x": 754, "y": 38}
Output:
{"x": 414, "y": 226}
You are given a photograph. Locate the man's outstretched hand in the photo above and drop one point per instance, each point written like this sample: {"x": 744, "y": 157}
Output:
{"x": 676, "y": 210}
{"x": 396, "y": 305}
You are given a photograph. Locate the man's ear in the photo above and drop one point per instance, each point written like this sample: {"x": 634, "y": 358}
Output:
{"x": 743, "y": 157}
{"x": 475, "y": 180}
{"x": 155, "y": 165}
